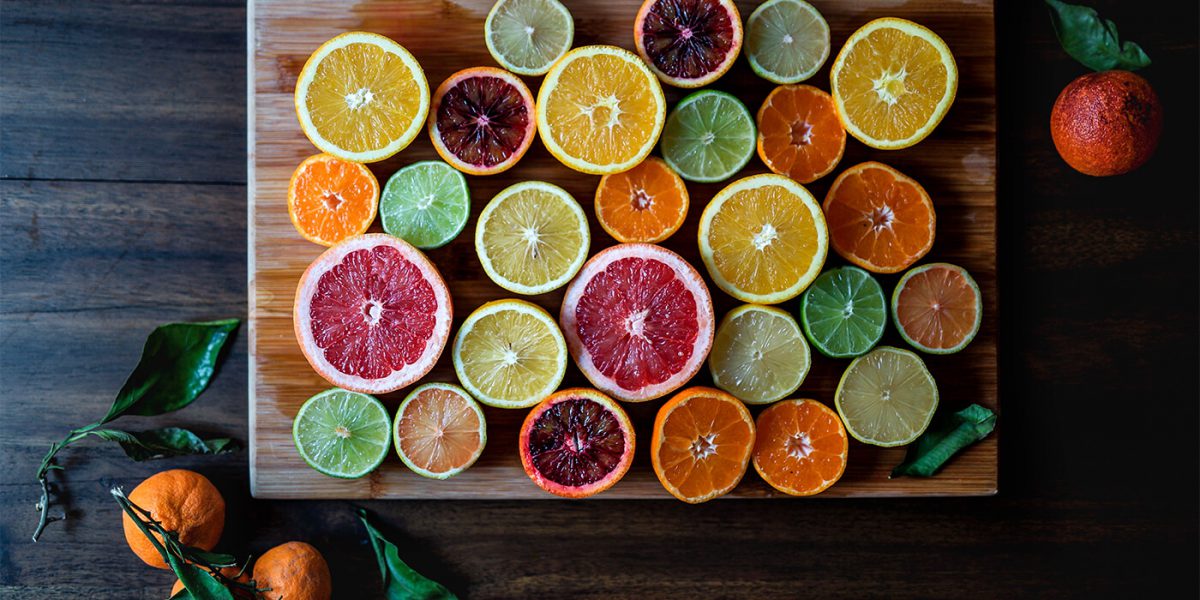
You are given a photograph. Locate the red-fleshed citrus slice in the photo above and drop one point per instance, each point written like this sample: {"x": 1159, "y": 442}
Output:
{"x": 576, "y": 443}
{"x": 688, "y": 43}
{"x": 482, "y": 120}
{"x": 638, "y": 321}
{"x": 937, "y": 308}
{"x": 372, "y": 314}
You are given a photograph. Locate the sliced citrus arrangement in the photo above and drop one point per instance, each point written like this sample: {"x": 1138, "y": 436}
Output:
{"x": 439, "y": 430}
{"x": 532, "y": 238}
{"x": 688, "y": 43}
{"x": 787, "y": 41}
{"x": 887, "y": 397}
{"x": 372, "y": 314}
{"x": 361, "y": 97}
{"x": 801, "y": 447}
{"x": 527, "y": 36}
{"x": 759, "y": 354}
{"x": 844, "y": 312}
{"x": 342, "y": 433}
{"x": 879, "y": 218}
{"x": 799, "y": 134}
{"x": 937, "y": 308}
{"x": 763, "y": 239}
{"x": 482, "y": 120}
{"x": 426, "y": 204}
{"x": 893, "y": 82}
{"x": 638, "y": 321}
{"x": 576, "y": 443}
{"x": 701, "y": 444}
{"x": 647, "y": 203}
{"x": 330, "y": 199}
{"x": 600, "y": 110}
{"x": 510, "y": 354}
{"x": 709, "y": 136}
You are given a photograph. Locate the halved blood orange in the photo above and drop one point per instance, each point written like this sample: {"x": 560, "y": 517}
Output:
{"x": 701, "y": 444}
{"x": 801, "y": 447}
{"x": 799, "y": 134}
{"x": 330, "y": 199}
{"x": 937, "y": 308}
{"x": 482, "y": 120}
{"x": 688, "y": 43}
{"x": 879, "y": 218}
{"x": 576, "y": 443}
{"x": 638, "y": 321}
{"x": 372, "y": 314}
{"x": 647, "y": 203}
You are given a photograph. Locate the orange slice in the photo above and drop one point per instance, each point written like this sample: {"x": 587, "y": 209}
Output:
{"x": 799, "y": 134}
{"x": 644, "y": 204}
{"x": 701, "y": 444}
{"x": 879, "y": 218}
{"x": 330, "y": 199}
{"x": 439, "y": 430}
{"x": 801, "y": 447}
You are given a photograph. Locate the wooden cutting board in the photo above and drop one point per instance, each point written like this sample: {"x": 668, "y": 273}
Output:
{"x": 956, "y": 165}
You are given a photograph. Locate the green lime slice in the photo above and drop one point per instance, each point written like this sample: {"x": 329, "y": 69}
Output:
{"x": 787, "y": 41}
{"x": 342, "y": 433}
{"x": 844, "y": 312}
{"x": 425, "y": 204}
{"x": 527, "y": 36}
{"x": 709, "y": 136}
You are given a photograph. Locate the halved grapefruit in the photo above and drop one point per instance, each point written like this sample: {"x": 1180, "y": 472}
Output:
{"x": 482, "y": 120}
{"x": 638, "y": 321}
{"x": 576, "y": 443}
{"x": 688, "y": 43}
{"x": 372, "y": 314}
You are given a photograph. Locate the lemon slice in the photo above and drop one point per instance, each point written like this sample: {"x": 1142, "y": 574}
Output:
{"x": 527, "y": 36}
{"x": 887, "y": 397}
{"x": 510, "y": 354}
{"x": 759, "y": 354}
{"x": 532, "y": 238}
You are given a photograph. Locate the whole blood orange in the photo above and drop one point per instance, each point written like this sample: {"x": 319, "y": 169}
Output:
{"x": 801, "y": 447}
{"x": 185, "y": 502}
{"x": 1106, "y": 123}
{"x": 701, "y": 444}
{"x": 372, "y": 314}
{"x": 576, "y": 443}
{"x": 293, "y": 571}
{"x": 482, "y": 120}
{"x": 879, "y": 218}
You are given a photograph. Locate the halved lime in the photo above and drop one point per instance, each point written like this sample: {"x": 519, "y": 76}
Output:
{"x": 759, "y": 354}
{"x": 709, "y": 136}
{"x": 342, "y": 433}
{"x": 844, "y": 312}
{"x": 787, "y": 41}
{"x": 425, "y": 204}
{"x": 527, "y": 36}
{"x": 887, "y": 397}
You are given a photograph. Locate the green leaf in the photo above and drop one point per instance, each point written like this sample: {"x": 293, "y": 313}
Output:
{"x": 177, "y": 362}
{"x": 200, "y": 583}
{"x": 400, "y": 582}
{"x": 944, "y": 439}
{"x": 182, "y": 595}
{"x": 1093, "y": 41}
{"x": 168, "y": 441}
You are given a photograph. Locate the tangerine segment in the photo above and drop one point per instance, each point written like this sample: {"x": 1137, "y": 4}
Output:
{"x": 577, "y": 443}
{"x": 330, "y": 199}
{"x": 799, "y": 133}
{"x": 937, "y": 308}
{"x": 440, "y": 430}
{"x": 701, "y": 444}
{"x": 879, "y": 218}
{"x": 646, "y": 204}
{"x": 801, "y": 447}
{"x": 482, "y": 120}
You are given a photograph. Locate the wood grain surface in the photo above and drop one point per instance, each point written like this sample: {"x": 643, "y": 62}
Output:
{"x": 956, "y": 165}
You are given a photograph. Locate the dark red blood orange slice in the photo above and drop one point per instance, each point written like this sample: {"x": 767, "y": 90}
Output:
{"x": 688, "y": 43}
{"x": 482, "y": 120}
{"x": 638, "y": 321}
{"x": 372, "y": 314}
{"x": 576, "y": 443}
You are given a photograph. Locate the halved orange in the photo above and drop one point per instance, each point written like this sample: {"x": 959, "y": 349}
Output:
{"x": 701, "y": 444}
{"x": 799, "y": 133}
{"x": 801, "y": 447}
{"x": 330, "y": 199}
{"x": 879, "y": 218}
{"x": 644, "y": 204}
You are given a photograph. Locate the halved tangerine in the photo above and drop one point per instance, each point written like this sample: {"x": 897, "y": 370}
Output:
{"x": 799, "y": 134}
{"x": 701, "y": 444}
{"x": 801, "y": 447}
{"x": 688, "y": 43}
{"x": 576, "y": 443}
{"x": 330, "y": 199}
{"x": 879, "y": 218}
{"x": 482, "y": 120}
{"x": 647, "y": 203}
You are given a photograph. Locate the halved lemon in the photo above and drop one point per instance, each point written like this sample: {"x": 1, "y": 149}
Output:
{"x": 532, "y": 238}
{"x": 759, "y": 354}
{"x": 510, "y": 354}
{"x": 763, "y": 239}
{"x": 887, "y": 397}
{"x": 893, "y": 82}
{"x": 361, "y": 97}
{"x": 600, "y": 110}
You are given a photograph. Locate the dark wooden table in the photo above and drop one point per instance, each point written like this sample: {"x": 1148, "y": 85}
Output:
{"x": 122, "y": 205}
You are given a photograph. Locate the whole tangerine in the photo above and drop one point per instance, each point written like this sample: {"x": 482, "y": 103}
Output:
{"x": 185, "y": 502}
{"x": 295, "y": 571}
{"x": 1106, "y": 123}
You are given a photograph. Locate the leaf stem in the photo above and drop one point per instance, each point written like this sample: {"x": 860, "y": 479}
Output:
{"x": 43, "y": 505}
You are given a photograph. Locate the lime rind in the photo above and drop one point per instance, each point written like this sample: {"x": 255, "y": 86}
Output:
{"x": 978, "y": 308}
{"x": 528, "y": 36}
{"x": 426, "y": 204}
{"x": 471, "y": 402}
{"x": 709, "y": 136}
{"x": 780, "y": 32}
{"x": 844, "y": 312}
{"x": 342, "y": 434}
{"x": 899, "y": 367}
{"x": 753, "y": 354}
